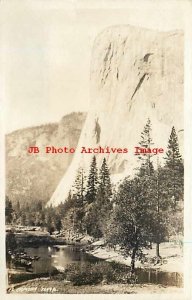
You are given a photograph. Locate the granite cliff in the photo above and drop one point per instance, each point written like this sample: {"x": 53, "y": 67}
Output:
{"x": 135, "y": 74}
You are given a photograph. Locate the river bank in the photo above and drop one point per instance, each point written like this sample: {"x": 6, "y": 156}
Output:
{"x": 171, "y": 253}
{"x": 58, "y": 252}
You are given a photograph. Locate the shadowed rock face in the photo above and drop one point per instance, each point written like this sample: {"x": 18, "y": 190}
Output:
{"x": 136, "y": 74}
{"x": 32, "y": 177}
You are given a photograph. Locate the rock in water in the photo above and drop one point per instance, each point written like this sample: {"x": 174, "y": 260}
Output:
{"x": 136, "y": 74}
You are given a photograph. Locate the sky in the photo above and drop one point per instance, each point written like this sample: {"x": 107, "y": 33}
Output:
{"x": 45, "y": 51}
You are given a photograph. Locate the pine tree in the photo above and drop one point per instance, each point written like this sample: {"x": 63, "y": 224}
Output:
{"x": 160, "y": 210}
{"x": 152, "y": 183}
{"x": 104, "y": 183}
{"x": 146, "y": 142}
{"x": 92, "y": 182}
{"x": 78, "y": 196}
{"x": 78, "y": 188}
{"x": 146, "y": 170}
{"x": 90, "y": 217}
{"x": 102, "y": 206}
{"x": 97, "y": 211}
{"x": 174, "y": 169}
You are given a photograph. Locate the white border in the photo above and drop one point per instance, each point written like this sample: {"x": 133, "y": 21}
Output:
{"x": 186, "y": 10}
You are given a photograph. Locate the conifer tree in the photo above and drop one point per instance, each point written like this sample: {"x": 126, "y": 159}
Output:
{"x": 103, "y": 205}
{"x": 146, "y": 142}
{"x": 78, "y": 196}
{"x": 152, "y": 188}
{"x": 90, "y": 218}
{"x": 146, "y": 170}
{"x": 160, "y": 210}
{"x": 104, "y": 183}
{"x": 174, "y": 169}
{"x": 92, "y": 182}
{"x": 79, "y": 187}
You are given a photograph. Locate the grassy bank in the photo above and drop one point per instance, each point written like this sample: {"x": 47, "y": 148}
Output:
{"x": 171, "y": 253}
{"x": 18, "y": 276}
{"x": 48, "y": 286}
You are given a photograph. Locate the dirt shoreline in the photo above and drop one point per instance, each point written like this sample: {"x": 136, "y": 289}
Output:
{"x": 172, "y": 257}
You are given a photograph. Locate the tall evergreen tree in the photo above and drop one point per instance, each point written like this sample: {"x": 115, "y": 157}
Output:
{"x": 103, "y": 204}
{"x": 78, "y": 188}
{"x": 146, "y": 170}
{"x": 92, "y": 182}
{"x": 174, "y": 169}
{"x": 79, "y": 196}
{"x": 104, "y": 182}
{"x": 90, "y": 218}
{"x": 152, "y": 182}
{"x": 98, "y": 212}
{"x": 146, "y": 142}
{"x": 160, "y": 209}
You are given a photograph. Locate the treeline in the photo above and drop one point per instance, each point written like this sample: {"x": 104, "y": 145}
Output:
{"x": 34, "y": 214}
{"x": 143, "y": 210}
{"x": 87, "y": 205}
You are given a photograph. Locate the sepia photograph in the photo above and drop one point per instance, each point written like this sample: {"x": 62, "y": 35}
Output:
{"x": 94, "y": 99}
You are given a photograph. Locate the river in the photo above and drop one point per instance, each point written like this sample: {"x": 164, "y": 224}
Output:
{"x": 57, "y": 257}
{"x": 60, "y": 256}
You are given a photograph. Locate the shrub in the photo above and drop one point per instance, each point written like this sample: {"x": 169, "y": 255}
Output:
{"x": 84, "y": 273}
{"x": 87, "y": 273}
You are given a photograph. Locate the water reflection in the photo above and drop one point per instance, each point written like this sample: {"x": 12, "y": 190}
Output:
{"x": 159, "y": 277}
{"x": 60, "y": 257}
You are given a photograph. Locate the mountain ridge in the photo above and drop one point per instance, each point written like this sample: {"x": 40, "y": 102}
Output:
{"x": 32, "y": 177}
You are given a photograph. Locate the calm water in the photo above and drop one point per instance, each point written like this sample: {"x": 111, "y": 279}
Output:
{"x": 61, "y": 256}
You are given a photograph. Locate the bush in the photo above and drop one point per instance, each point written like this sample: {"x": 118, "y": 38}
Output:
{"x": 87, "y": 273}
{"x": 116, "y": 273}
{"x": 81, "y": 274}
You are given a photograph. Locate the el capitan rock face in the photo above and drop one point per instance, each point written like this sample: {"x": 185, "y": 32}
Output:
{"x": 136, "y": 74}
